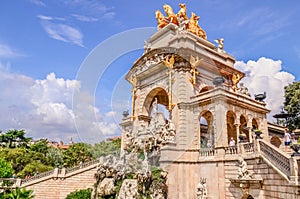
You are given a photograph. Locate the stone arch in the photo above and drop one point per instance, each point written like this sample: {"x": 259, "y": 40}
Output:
{"x": 206, "y": 129}
{"x": 162, "y": 98}
{"x": 255, "y": 124}
{"x": 231, "y": 129}
{"x": 244, "y": 127}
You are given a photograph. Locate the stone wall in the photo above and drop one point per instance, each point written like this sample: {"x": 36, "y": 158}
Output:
{"x": 59, "y": 188}
{"x": 274, "y": 185}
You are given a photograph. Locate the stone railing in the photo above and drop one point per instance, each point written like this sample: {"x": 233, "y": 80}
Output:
{"x": 60, "y": 173}
{"x": 204, "y": 152}
{"x": 275, "y": 157}
{"x": 248, "y": 148}
{"x": 42, "y": 175}
{"x": 83, "y": 165}
{"x": 230, "y": 150}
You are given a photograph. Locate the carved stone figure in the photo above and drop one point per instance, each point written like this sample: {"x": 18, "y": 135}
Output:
{"x": 243, "y": 172}
{"x": 220, "y": 43}
{"x": 201, "y": 190}
{"x": 147, "y": 46}
{"x": 243, "y": 90}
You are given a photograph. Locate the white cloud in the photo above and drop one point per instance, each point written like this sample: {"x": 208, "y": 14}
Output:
{"x": 38, "y": 2}
{"x": 63, "y": 32}
{"x": 109, "y": 15}
{"x": 44, "y": 108}
{"x": 84, "y": 18}
{"x": 8, "y": 52}
{"x": 266, "y": 75}
{"x": 49, "y": 18}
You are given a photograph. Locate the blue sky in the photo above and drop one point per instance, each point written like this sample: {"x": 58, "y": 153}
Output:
{"x": 43, "y": 45}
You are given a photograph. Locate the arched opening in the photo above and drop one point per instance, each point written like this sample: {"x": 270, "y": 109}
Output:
{"x": 206, "y": 130}
{"x": 243, "y": 127}
{"x": 254, "y": 124}
{"x": 158, "y": 96}
{"x": 231, "y": 130}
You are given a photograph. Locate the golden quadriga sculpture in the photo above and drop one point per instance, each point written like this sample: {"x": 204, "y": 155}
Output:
{"x": 180, "y": 19}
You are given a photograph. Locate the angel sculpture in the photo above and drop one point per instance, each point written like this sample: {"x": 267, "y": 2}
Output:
{"x": 220, "y": 43}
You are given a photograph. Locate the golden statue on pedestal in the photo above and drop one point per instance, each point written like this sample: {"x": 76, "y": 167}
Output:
{"x": 180, "y": 19}
{"x": 194, "y": 27}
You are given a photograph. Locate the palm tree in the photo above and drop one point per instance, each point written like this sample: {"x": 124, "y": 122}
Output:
{"x": 14, "y": 138}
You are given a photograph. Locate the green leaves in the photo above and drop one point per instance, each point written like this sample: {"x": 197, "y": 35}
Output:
{"x": 82, "y": 194}
{"x": 77, "y": 153}
{"x": 6, "y": 170}
{"x": 292, "y": 105}
{"x": 14, "y": 138}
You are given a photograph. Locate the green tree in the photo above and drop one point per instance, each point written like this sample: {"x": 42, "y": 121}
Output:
{"x": 55, "y": 157}
{"x": 6, "y": 170}
{"x": 292, "y": 105}
{"x": 105, "y": 148}
{"x": 18, "y": 157}
{"x": 77, "y": 153}
{"x": 82, "y": 194}
{"x": 14, "y": 138}
{"x": 33, "y": 168}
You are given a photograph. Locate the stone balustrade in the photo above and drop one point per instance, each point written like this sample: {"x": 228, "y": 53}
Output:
{"x": 204, "y": 152}
{"x": 275, "y": 157}
{"x": 248, "y": 147}
{"x": 230, "y": 150}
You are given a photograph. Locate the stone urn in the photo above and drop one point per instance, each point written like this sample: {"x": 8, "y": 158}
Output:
{"x": 218, "y": 81}
{"x": 242, "y": 137}
{"x": 296, "y": 148}
{"x": 258, "y": 134}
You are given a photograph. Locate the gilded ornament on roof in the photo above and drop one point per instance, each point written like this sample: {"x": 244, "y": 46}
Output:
{"x": 180, "y": 19}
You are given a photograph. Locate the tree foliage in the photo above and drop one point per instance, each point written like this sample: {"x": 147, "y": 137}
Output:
{"x": 105, "y": 148}
{"x": 6, "y": 170}
{"x": 292, "y": 105}
{"x": 77, "y": 153}
{"x": 14, "y": 138}
{"x": 17, "y": 194}
{"x": 82, "y": 194}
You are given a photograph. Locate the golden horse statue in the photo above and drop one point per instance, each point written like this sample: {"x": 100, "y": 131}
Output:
{"x": 182, "y": 12}
{"x": 194, "y": 27}
{"x": 171, "y": 16}
{"x": 161, "y": 20}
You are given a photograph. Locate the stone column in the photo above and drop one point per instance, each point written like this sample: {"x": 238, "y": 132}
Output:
{"x": 237, "y": 126}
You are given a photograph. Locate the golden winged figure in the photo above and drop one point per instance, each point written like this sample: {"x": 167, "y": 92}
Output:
{"x": 194, "y": 61}
{"x": 235, "y": 80}
{"x": 169, "y": 62}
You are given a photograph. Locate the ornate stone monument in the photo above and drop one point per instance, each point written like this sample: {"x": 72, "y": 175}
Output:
{"x": 195, "y": 81}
